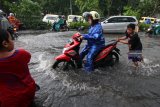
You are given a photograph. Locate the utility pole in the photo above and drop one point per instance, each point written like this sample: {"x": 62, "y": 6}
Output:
{"x": 71, "y": 6}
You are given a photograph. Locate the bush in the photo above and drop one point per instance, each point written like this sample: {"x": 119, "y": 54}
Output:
{"x": 143, "y": 26}
{"x": 131, "y": 12}
{"x": 42, "y": 25}
{"x": 76, "y": 25}
{"x": 29, "y": 13}
{"x": 35, "y": 24}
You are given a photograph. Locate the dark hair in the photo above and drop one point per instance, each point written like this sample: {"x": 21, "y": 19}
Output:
{"x": 94, "y": 22}
{"x": 59, "y": 16}
{"x": 132, "y": 26}
{"x": 4, "y": 36}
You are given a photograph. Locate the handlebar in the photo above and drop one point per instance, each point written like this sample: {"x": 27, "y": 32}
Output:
{"x": 113, "y": 41}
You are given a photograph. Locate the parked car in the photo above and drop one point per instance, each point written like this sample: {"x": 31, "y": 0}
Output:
{"x": 50, "y": 18}
{"x": 71, "y": 18}
{"x": 158, "y": 20}
{"x": 143, "y": 19}
{"x": 118, "y": 24}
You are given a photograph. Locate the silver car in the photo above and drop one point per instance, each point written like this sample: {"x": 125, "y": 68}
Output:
{"x": 118, "y": 24}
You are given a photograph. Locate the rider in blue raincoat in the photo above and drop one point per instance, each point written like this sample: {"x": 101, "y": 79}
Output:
{"x": 95, "y": 40}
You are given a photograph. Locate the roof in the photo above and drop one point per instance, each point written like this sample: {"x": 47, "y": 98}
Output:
{"x": 149, "y": 17}
{"x": 123, "y": 16}
{"x": 75, "y": 15}
{"x": 51, "y": 15}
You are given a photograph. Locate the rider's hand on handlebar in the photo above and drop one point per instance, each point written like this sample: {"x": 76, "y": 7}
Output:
{"x": 81, "y": 37}
{"x": 79, "y": 34}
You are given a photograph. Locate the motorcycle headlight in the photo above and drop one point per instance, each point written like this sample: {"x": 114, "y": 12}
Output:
{"x": 70, "y": 40}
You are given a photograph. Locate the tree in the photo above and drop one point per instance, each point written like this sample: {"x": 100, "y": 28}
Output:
{"x": 28, "y": 12}
{"x": 87, "y": 5}
{"x": 149, "y": 7}
{"x": 61, "y": 7}
{"x": 103, "y": 5}
{"x": 129, "y": 11}
{"x": 5, "y": 5}
{"x": 27, "y": 8}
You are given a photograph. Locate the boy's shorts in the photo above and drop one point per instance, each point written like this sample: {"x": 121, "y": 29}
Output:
{"x": 135, "y": 56}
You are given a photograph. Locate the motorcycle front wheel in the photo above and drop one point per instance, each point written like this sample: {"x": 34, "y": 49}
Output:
{"x": 63, "y": 65}
{"x": 16, "y": 36}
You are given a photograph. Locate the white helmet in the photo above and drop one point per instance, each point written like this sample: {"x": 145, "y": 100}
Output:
{"x": 11, "y": 14}
{"x": 93, "y": 14}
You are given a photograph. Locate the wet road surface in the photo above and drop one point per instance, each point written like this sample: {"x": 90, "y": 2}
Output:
{"x": 117, "y": 86}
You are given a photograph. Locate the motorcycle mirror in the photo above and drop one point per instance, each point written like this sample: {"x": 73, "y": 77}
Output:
{"x": 105, "y": 22}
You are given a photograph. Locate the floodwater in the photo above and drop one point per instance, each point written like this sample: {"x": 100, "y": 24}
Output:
{"x": 117, "y": 86}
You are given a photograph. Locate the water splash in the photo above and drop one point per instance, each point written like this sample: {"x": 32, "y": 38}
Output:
{"x": 147, "y": 61}
{"x": 72, "y": 86}
{"x": 146, "y": 68}
{"x": 43, "y": 65}
{"x": 149, "y": 68}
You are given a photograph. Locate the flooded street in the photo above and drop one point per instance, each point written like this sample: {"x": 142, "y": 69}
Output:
{"x": 118, "y": 86}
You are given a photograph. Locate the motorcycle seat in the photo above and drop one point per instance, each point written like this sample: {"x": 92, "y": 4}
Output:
{"x": 110, "y": 43}
{"x": 113, "y": 42}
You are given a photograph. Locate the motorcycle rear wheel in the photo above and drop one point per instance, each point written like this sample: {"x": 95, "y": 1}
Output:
{"x": 112, "y": 59}
{"x": 16, "y": 36}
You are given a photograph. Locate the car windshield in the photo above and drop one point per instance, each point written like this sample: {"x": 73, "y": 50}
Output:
{"x": 152, "y": 19}
{"x": 147, "y": 19}
{"x": 51, "y": 18}
{"x": 72, "y": 17}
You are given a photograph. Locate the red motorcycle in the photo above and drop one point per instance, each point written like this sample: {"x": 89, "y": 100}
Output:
{"x": 109, "y": 55}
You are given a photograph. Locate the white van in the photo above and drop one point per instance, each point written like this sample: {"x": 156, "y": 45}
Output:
{"x": 71, "y": 17}
{"x": 50, "y": 18}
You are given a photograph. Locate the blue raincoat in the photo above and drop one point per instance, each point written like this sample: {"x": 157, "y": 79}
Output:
{"x": 57, "y": 25}
{"x": 95, "y": 42}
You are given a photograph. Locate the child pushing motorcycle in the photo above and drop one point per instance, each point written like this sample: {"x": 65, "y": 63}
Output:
{"x": 134, "y": 43}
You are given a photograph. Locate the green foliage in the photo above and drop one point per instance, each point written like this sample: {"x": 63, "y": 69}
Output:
{"x": 131, "y": 12}
{"x": 29, "y": 13}
{"x": 143, "y": 26}
{"x": 87, "y": 5}
{"x": 105, "y": 7}
{"x": 149, "y": 7}
{"x": 5, "y": 5}
{"x": 38, "y": 25}
{"x": 61, "y": 7}
{"x": 75, "y": 25}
